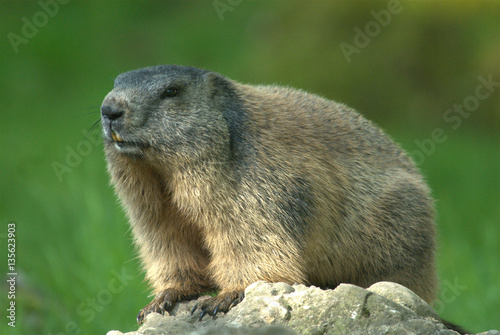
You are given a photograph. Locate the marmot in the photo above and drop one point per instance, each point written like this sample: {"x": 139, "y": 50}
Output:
{"x": 226, "y": 184}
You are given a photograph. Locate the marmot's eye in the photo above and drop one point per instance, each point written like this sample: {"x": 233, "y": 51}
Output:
{"x": 169, "y": 92}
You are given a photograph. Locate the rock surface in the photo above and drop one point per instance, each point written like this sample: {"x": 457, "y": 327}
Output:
{"x": 282, "y": 309}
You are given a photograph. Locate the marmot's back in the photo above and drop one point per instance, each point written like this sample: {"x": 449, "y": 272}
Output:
{"x": 307, "y": 122}
{"x": 226, "y": 184}
{"x": 366, "y": 203}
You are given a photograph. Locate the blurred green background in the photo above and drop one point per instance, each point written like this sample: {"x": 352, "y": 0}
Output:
{"x": 77, "y": 269}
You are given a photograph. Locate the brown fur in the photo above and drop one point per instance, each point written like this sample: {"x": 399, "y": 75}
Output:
{"x": 273, "y": 184}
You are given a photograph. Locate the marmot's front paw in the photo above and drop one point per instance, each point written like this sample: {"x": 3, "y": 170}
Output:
{"x": 221, "y": 303}
{"x": 164, "y": 302}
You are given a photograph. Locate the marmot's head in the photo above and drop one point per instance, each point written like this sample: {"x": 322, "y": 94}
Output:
{"x": 169, "y": 111}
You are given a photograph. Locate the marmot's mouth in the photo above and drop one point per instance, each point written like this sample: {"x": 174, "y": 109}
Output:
{"x": 116, "y": 137}
{"x": 126, "y": 147}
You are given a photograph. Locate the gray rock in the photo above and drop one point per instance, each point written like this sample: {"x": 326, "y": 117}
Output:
{"x": 282, "y": 309}
{"x": 242, "y": 331}
{"x": 403, "y": 296}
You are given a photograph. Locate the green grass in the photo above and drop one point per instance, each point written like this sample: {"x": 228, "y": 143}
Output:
{"x": 72, "y": 236}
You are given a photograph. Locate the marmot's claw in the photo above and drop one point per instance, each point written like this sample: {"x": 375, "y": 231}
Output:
{"x": 235, "y": 302}
{"x": 203, "y": 312}
{"x": 221, "y": 303}
{"x": 140, "y": 317}
{"x": 164, "y": 302}
{"x": 216, "y": 310}
{"x": 168, "y": 305}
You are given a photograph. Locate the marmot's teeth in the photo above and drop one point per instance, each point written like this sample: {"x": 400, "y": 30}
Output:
{"x": 116, "y": 137}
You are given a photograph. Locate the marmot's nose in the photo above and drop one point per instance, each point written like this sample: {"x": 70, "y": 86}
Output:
{"x": 111, "y": 112}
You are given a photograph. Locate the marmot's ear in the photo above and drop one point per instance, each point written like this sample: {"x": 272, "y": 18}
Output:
{"x": 217, "y": 84}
